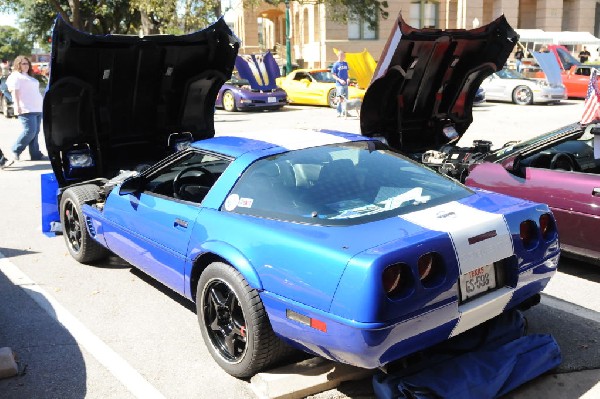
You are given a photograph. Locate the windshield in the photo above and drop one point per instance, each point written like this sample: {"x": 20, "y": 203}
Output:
{"x": 509, "y": 74}
{"x": 339, "y": 184}
{"x": 237, "y": 81}
{"x": 323, "y": 76}
{"x": 551, "y": 137}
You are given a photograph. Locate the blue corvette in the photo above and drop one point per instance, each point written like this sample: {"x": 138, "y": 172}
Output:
{"x": 334, "y": 243}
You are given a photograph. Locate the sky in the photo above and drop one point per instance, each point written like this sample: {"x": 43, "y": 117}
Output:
{"x": 8, "y": 19}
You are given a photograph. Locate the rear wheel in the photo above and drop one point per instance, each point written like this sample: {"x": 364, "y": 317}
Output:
{"x": 522, "y": 95}
{"x": 229, "y": 102}
{"x": 234, "y": 323}
{"x": 82, "y": 247}
{"x": 331, "y": 98}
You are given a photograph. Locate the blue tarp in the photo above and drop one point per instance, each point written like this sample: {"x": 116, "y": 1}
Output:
{"x": 486, "y": 362}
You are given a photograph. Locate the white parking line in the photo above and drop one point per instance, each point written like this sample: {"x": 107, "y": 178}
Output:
{"x": 114, "y": 363}
{"x": 569, "y": 307}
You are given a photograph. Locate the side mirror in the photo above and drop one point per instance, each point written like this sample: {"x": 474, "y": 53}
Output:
{"x": 131, "y": 185}
{"x": 305, "y": 81}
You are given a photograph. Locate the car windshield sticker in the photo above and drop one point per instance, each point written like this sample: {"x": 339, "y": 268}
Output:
{"x": 231, "y": 202}
{"x": 245, "y": 202}
{"x": 462, "y": 222}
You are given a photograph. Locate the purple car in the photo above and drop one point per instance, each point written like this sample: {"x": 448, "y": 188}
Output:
{"x": 252, "y": 86}
{"x": 557, "y": 168}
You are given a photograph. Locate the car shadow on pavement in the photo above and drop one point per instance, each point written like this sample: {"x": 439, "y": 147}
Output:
{"x": 164, "y": 289}
{"x": 50, "y": 362}
{"x": 29, "y": 166}
{"x": 580, "y": 269}
{"x": 13, "y": 253}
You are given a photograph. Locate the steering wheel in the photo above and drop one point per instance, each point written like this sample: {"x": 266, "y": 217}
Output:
{"x": 178, "y": 181}
{"x": 562, "y": 161}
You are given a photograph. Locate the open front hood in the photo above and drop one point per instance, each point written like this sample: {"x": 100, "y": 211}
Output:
{"x": 261, "y": 70}
{"x": 422, "y": 92}
{"x": 124, "y": 99}
{"x": 550, "y": 67}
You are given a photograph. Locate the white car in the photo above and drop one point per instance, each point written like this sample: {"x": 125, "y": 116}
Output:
{"x": 510, "y": 85}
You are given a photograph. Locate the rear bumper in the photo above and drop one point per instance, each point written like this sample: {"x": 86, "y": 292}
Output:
{"x": 371, "y": 345}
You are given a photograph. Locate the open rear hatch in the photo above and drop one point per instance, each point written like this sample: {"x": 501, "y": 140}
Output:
{"x": 422, "y": 92}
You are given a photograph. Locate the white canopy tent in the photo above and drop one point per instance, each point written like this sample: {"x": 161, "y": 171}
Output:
{"x": 539, "y": 36}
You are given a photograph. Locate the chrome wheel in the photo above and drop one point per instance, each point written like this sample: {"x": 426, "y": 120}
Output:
{"x": 522, "y": 95}
{"x": 331, "y": 99}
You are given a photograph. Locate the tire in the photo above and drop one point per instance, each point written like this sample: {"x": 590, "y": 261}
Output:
{"x": 522, "y": 95}
{"x": 234, "y": 323}
{"x": 82, "y": 247}
{"x": 229, "y": 102}
{"x": 331, "y": 99}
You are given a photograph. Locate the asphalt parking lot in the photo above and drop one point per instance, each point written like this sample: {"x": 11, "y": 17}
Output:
{"x": 109, "y": 331}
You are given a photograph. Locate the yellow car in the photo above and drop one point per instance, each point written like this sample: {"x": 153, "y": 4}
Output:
{"x": 314, "y": 87}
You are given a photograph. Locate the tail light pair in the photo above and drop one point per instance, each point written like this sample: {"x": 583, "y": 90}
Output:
{"x": 529, "y": 230}
{"x": 398, "y": 278}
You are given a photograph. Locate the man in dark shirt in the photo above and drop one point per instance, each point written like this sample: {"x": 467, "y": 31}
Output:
{"x": 518, "y": 59}
{"x": 584, "y": 55}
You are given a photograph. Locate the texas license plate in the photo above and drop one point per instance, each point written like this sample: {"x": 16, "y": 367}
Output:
{"x": 477, "y": 281}
{"x": 271, "y": 99}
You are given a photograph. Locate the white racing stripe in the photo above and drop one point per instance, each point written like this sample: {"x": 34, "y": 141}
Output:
{"x": 122, "y": 370}
{"x": 482, "y": 309}
{"x": 291, "y": 139}
{"x": 480, "y": 238}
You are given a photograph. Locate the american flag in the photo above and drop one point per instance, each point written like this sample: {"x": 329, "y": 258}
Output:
{"x": 591, "y": 107}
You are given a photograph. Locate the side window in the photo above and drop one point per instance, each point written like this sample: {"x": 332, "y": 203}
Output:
{"x": 189, "y": 178}
{"x": 300, "y": 75}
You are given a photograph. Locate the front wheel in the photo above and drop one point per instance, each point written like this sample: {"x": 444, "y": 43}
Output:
{"x": 234, "y": 323}
{"x": 522, "y": 95}
{"x": 229, "y": 102}
{"x": 82, "y": 247}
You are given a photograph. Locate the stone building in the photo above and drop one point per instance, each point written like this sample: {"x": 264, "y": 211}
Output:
{"x": 314, "y": 36}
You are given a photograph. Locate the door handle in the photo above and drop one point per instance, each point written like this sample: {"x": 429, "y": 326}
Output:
{"x": 596, "y": 191}
{"x": 180, "y": 222}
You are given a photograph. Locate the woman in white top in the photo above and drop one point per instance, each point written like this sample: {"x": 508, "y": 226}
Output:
{"x": 27, "y": 104}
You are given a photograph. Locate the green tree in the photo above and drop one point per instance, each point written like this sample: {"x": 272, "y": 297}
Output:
{"x": 13, "y": 42}
{"x": 114, "y": 16}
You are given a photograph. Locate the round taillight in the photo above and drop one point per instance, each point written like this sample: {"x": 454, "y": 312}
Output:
{"x": 392, "y": 276}
{"x": 528, "y": 233}
{"x": 431, "y": 269}
{"x": 397, "y": 280}
{"x": 425, "y": 266}
{"x": 547, "y": 226}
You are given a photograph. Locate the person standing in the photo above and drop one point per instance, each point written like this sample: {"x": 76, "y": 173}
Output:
{"x": 4, "y": 68}
{"x": 584, "y": 55}
{"x": 27, "y": 104}
{"x": 519, "y": 59}
{"x": 340, "y": 73}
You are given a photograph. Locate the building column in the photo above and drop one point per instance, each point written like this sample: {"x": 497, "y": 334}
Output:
{"x": 549, "y": 15}
{"x": 474, "y": 14}
{"x": 583, "y": 15}
{"x": 510, "y": 9}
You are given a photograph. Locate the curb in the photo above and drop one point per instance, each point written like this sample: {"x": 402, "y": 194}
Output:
{"x": 8, "y": 365}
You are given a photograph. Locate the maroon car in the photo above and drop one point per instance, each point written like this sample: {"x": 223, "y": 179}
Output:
{"x": 557, "y": 168}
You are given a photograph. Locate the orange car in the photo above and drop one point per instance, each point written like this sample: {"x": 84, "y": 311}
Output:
{"x": 575, "y": 75}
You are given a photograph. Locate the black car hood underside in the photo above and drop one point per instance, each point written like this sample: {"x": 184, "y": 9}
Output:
{"x": 123, "y": 96}
{"x": 426, "y": 80}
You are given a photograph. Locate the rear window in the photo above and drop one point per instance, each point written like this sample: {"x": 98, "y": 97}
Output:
{"x": 339, "y": 184}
